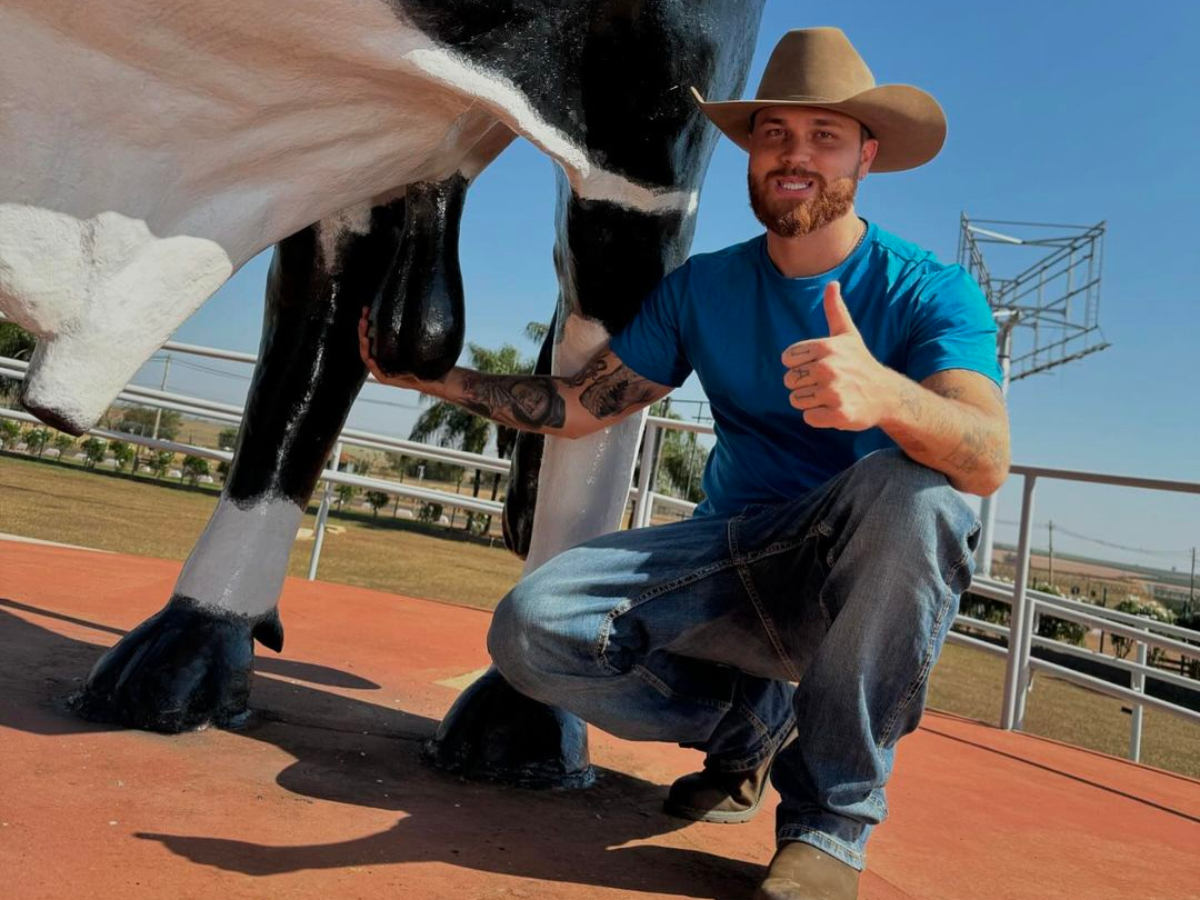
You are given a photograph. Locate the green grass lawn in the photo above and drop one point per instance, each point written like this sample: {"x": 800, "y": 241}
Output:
{"x": 128, "y": 514}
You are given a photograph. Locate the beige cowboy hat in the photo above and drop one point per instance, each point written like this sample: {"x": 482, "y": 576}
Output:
{"x": 820, "y": 67}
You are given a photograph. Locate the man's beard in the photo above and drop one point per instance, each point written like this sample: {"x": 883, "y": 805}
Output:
{"x": 788, "y": 218}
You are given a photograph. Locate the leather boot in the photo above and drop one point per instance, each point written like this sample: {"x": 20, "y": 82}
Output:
{"x": 712, "y": 795}
{"x": 802, "y": 872}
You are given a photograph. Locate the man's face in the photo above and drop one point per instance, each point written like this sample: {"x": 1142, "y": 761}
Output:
{"x": 805, "y": 164}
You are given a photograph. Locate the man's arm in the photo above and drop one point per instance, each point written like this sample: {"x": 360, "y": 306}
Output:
{"x": 953, "y": 421}
{"x": 600, "y": 394}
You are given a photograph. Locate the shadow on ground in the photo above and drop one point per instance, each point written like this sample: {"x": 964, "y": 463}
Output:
{"x": 366, "y": 754}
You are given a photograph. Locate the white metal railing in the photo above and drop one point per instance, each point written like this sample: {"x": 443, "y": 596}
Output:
{"x": 232, "y": 414}
{"x": 1027, "y": 605}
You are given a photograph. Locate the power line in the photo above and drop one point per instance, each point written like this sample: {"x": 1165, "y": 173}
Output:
{"x": 1111, "y": 544}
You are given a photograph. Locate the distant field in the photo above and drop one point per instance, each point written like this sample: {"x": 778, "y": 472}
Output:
{"x": 127, "y": 514}
{"x": 109, "y": 511}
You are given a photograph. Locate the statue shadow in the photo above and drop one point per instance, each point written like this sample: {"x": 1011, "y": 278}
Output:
{"x": 363, "y": 754}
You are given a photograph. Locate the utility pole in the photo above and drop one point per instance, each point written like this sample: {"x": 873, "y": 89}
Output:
{"x": 162, "y": 387}
{"x": 1051, "y": 526}
{"x": 1006, "y": 321}
{"x": 1192, "y": 585}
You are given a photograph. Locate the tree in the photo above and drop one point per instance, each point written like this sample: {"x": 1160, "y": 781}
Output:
{"x": 140, "y": 420}
{"x": 227, "y": 439}
{"x": 63, "y": 443}
{"x": 345, "y": 493}
{"x": 1150, "y": 609}
{"x": 93, "y": 451}
{"x": 1058, "y": 629}
{"x": 453, "y": 426}
{"x": 376, "y": 499}
{"x": 681, "y": 459}
{"x": 36, "y": 440}
{"x": 160, "y": 461}
{"x": 429, "y": 512}
{"x": 398, "y": 463}
{"x": 10, "y": 433}
{"x": 193, "y": 467}
{"x": 121, "y": 452}
{"x": 15, "y": 343}
{"x": 536, "y": 331}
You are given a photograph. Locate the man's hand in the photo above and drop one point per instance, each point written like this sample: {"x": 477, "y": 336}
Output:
{"x": 835, "y": 380}
{"x": 954, "y": 421}
{"x": 364, "y": 350}
{"x": 600, "y": 394}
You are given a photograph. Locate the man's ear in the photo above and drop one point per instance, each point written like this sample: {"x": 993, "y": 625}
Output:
{"x": 870, "y": 147}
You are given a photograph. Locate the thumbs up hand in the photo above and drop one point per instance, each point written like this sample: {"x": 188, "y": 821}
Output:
{"x": 836, "y": 381}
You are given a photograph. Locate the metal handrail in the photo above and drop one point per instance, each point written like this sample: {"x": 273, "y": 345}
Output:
{"x": 1027, "y": 604}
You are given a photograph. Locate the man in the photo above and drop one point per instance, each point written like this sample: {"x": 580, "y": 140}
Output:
{"x": 792, "y": 623}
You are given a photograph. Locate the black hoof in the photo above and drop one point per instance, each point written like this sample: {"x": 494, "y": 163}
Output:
{"x": 186, "y": 667}
{"x": 496, "y": 734}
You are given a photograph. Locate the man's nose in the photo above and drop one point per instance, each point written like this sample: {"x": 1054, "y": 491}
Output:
{"x": 797, "y": 152}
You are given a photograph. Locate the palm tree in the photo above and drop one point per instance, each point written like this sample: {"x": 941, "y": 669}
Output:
{"x": 452, "y": 426}
{"x": 15, "y": 343}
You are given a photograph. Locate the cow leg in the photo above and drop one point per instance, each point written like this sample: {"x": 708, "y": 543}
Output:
{"x": 189, "y": 665}
{"x": 615, "y": 241}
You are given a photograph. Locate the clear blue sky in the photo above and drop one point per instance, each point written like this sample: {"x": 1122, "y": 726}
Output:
{"x": 1059, "y": 112}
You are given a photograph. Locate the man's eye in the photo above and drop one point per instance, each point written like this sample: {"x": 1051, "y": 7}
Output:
{"x": 774, "y": 132}
{"x": 826, "y": 136}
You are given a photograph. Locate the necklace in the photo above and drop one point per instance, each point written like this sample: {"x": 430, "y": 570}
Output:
{"x": 858, "y": 243}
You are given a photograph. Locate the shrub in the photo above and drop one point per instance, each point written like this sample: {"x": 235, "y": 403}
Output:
{"x": 376, "y": 499}
{"x": 93, "y": 451}
{"x": 36, "y": 440}
{"x": 1150, "y": 609}
{"x": 121, "y": 452}
{"x": 193, "y": 467}
{"x": 430, "y": 512}
{"x": 10, "y": 431}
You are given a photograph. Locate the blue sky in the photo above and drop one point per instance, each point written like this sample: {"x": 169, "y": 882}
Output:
{"x": 1059, "y": 112}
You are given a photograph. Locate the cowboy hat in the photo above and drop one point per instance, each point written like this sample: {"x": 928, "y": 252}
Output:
{"x": 820, "y": 67}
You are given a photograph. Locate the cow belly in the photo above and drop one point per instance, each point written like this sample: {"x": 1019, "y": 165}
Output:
{"x": 148, "y": 155}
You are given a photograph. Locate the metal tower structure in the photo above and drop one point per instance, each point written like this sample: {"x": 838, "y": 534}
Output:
{"x": 1047, "y": 309}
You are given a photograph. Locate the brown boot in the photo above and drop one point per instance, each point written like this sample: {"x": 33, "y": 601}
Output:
{"x": 802, "y": 872}
{"x": 712, "y": 795}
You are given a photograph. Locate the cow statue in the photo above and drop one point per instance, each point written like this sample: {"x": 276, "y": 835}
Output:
{"x": 148, "y": 150}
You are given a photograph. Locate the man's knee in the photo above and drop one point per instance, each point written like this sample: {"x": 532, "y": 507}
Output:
{"x": 537, "y": 632}
{"x": 911, "y": 489}
{"x": 511, "y": 638}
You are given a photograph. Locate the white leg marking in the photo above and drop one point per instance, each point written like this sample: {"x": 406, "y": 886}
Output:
{"x": 584, "y": 483}
{"x": 241, "y": 559}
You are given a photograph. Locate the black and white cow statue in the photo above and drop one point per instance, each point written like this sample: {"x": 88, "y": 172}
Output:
{"x": 148, "y": 150}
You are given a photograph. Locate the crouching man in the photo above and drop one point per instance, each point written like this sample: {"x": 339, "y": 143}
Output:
{"x": 790, "y": 626}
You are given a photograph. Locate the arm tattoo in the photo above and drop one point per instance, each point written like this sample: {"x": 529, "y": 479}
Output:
{"x": 975, "y": 442}
{"x": 523, "y": 401}
{"x": 967, "y": 430}
{"x": 591, "y": 371}
{"x": 616, "y": 392}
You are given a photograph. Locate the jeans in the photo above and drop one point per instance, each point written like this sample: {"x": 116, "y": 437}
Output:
{"x": 723, "y": 632}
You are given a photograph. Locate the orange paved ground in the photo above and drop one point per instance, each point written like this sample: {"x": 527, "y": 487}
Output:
{"x": 325, "y": 796}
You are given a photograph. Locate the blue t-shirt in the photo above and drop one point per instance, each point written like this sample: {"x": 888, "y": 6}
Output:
{"x": 729, "y": 316}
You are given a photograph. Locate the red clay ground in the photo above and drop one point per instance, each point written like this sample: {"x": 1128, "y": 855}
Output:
{"x": 325, "y": 797}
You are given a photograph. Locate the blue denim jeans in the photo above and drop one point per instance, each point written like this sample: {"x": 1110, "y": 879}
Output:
{"x": 722, "y": 632}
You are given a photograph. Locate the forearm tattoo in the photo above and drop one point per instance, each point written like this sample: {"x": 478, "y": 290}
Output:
{"x": 616, "y": 392}
{"x": 979, "y": 440}
{"x": 528, "y": 402}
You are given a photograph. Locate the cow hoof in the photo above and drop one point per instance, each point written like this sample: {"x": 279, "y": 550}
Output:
{"x": 494, "y": 733}
{"x": 184, "y": 668}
